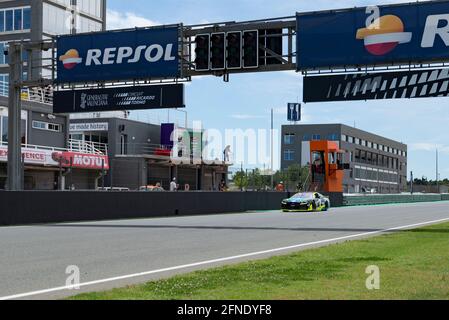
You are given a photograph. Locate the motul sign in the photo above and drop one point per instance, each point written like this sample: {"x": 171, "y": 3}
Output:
{"x": 82, "y": 160}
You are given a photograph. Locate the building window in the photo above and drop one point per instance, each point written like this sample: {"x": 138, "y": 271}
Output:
{"x": 332, "y": 137}
{"x": 40, "y": 125}
{"x": 307, "y": 137}
{"x": 316, "y": 137}
{"x": 289, "y": 155}
{"x": 4, "y": 129}
{"x": 15, "y": 19}
{"x": 344, "y": 138}
{"x": 351, "y": 139}
{"x": 289, "y": 138}
{"x": 123, "y": 144}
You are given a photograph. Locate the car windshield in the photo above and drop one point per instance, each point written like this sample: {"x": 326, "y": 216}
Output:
{"x": 303, "y": 196}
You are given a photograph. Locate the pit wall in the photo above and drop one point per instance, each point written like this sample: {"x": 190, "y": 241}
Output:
{"x": 391, "y": 199}
{"x": 37, "y": 207}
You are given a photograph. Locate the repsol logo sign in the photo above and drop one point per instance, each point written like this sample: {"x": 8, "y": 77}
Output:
{"x": 382, "y": 34}
{"x": 119, "y": 55}
{"x": 437, "y": 26}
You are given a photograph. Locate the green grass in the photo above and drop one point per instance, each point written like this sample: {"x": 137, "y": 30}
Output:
{"x": 413, "y": 265}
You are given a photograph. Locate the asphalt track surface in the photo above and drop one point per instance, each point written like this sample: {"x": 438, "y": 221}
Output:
{"x": 109, "y": 254}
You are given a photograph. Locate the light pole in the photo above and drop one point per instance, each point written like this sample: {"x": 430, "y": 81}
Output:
{"x": 185, "y": 112}
{"x": 438, "y": 174}
{"x": 272, "y": 148}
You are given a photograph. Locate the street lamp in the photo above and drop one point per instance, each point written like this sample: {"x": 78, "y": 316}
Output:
{"x": 185, "y": 112}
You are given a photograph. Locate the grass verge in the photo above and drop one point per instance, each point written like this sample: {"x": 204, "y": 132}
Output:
{"x": 413, "y": 265}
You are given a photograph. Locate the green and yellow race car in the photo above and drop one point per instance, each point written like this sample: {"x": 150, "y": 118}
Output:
{"x": 306, "y": 202}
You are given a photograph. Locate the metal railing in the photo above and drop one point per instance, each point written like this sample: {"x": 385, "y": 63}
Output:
{"x": 73, "y": 146}
{"x": 40, "y": 95}
{"x": 161, "y": 151}
{"x": 89, "y": 147}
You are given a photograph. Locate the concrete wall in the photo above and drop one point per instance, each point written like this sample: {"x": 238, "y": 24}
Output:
{"x": 33, "y": 207}
{"x": 390, "y": 199}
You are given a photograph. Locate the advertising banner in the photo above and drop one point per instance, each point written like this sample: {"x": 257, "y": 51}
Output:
{"x": 118, "y": 55}
{"x": 115, "y": 99}
{"x": 31, "y": 156}
{"x": 54, "y": 158}
{"x": 81, "y": 160}
{"x": 381, "y": 85}
{"x": 404, "y": 33}
{"x": 90, "y": 126}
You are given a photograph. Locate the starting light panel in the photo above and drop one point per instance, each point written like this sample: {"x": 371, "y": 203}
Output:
{"x": 218, "y": 51}
{"x": 202, "y": 51}
{"x": 234, "y": 50}
{"x": 250, "y": 49}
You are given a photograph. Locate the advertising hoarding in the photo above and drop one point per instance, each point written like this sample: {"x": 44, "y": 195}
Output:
{"x": 81, "y": 160}
{"x": 376, "y": 86}
{"x": 49, "y": 158}
{"x": 406, "y": 33}
{"x": 115, "y": 99}
{"x": 118, "y": 55}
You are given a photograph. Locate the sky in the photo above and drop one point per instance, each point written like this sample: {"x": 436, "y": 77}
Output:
{"x": 246, "y": 101}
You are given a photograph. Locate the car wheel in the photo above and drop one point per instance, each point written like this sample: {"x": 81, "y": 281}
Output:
{"x": 314, "y": 207}
{"x": 326, "y": 206}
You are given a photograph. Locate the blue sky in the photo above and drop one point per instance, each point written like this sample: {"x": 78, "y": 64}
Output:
{"x": 245, "y": 102}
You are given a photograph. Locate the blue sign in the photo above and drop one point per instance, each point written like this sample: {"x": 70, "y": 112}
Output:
{"x": 118, "y": 55}
{"x": 294, "y": 112}
{"x": 405, "y": 33}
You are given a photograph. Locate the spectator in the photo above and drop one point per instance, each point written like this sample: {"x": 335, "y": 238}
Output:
{"x": 158, "y": 188}
{"x": 173, "y": 185}
{"x": 223, "y": 186}
{"x": 280, "y": 187}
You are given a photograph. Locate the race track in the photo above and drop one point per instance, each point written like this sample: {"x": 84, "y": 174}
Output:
{"x": 33, "y": 259}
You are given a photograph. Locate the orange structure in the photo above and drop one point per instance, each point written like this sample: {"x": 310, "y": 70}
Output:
{"x": 327, "y": 166}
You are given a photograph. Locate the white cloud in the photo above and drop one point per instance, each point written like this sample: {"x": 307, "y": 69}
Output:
{"x": 428, "y": 146}
{"x": 246, "y": 116}
{"x": 124, "y": 20}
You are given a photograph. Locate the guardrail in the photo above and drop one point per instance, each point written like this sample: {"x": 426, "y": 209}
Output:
{"x": 391, "y": 199}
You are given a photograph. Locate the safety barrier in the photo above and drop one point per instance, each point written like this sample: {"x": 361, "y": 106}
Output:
{"x": 34, "y": 207}
{"x": 391, "y": 199}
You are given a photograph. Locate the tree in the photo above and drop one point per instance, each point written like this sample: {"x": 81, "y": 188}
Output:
{"x": 241, "y": 180}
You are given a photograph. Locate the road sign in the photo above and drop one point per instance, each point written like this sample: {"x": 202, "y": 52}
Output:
{"x": 294, "y": 112}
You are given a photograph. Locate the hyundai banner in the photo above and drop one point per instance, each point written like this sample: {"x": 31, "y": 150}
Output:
{"x": 403, "y": 33}
{"x": 115, "y": 99}
{"x": 118, "y": 55}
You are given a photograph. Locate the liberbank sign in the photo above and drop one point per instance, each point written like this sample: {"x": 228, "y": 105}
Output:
{"x": 150, "y": 53}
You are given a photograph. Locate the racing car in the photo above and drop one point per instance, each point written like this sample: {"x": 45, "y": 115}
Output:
{"x": 306, "y": 202}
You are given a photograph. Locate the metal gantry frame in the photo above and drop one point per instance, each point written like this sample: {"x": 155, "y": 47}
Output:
{"x": 37, "y": 61}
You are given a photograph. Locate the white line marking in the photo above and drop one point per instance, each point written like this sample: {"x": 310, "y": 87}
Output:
{"x": 202, "y": 263}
